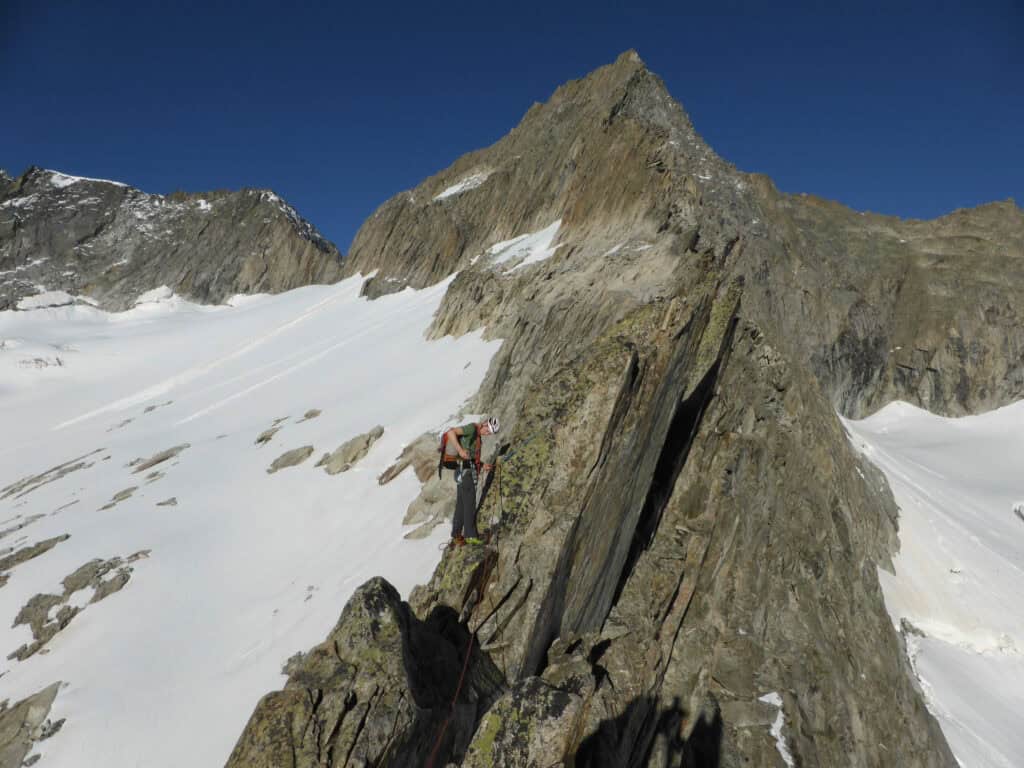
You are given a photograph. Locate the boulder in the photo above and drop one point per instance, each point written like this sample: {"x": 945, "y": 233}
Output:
{"x": 290, "y": 458}
{"x": 350, "y": 452}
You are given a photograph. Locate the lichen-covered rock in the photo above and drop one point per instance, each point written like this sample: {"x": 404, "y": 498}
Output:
{"x": 378, "y": 691}
{"x": 349, "y": 452}
{"x": 531, "y": 725}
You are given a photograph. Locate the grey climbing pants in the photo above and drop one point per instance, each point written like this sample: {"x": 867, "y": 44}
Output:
{"x": 464, "y": 522}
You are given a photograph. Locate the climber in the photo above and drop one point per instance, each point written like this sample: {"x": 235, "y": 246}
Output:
{"x": 460, "y": 450}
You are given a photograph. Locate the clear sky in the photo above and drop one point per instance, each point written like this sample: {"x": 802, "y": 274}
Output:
{"x": 903, "y": 107}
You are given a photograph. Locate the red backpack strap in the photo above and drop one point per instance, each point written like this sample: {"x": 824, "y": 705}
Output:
{"x": 476, "y": 456}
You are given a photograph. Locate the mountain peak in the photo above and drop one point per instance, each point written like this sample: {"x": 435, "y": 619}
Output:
{"x": 609, "y": 83}
{"x": 614, "y": 140}
{"x": 629, "y": 60}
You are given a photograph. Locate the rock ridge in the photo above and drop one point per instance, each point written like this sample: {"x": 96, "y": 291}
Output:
{"x": 111, "y": 243}
{"x": 683, "y": 567}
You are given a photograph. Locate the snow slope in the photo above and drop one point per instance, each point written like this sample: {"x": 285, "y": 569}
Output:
{"x": 959, "y": 575}
{"x": 248, "y": 567}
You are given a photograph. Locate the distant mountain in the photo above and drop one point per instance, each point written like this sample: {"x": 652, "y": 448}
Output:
{"x": 109, "y": 242}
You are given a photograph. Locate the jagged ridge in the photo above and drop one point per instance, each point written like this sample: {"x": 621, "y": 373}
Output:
{"x": 686, "y": 537}
{"x": 111, "y": 242}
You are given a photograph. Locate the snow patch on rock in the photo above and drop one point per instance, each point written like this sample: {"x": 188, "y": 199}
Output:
{"x": 25, "y": 201}
{"x": 46, "y": 299}
{"x": 525, "y": 250}
{"x": 777, "y": 725}
{"x": 162, "y": 293}
{"x": 468, "y": 183}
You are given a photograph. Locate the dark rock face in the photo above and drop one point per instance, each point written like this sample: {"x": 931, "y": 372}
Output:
{"x": 883, "y": 309}
{"x": 112, "y": 243}
{"x": 684, "y": 567}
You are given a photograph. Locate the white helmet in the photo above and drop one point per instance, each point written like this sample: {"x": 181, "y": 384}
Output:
{"x": 494, "y": 424}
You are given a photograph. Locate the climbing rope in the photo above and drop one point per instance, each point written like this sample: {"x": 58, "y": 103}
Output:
{"x": 493, "y": 567}
{"x": 451, "y": 711}
{"x": 481, "y": 589}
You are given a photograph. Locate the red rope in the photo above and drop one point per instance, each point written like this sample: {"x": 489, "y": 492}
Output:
{"x": 465, "y": 663}
{"x": 448, "y": 719}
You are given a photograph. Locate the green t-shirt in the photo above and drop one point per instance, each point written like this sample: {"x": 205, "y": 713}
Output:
{"x": 468, "y": 439}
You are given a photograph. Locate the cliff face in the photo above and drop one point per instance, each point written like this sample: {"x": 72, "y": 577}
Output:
{"x": 879, "y": 308}
{"x": 884, "y": 309}
{"x": 684, "y": 553}
{"x": 111, "y": 242}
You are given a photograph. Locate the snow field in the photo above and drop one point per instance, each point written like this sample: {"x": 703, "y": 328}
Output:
{"x": 959, "y": 575}
{"x": 248, "y": 568}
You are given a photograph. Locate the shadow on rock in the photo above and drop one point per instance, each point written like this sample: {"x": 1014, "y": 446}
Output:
{"x": 661, "y": 742}
{"x": 383, "y": 689}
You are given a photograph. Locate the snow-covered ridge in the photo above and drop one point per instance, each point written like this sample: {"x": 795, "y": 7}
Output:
{"x": 959, "y": 574}
{"x": 144, "y": 206}
{"x": 470, "y": 182}
{"x": 62, "y": 180}
{"x": 231, "y": 570}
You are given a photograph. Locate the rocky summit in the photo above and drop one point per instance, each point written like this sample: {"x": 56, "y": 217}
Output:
{"x": 683, "y": 552}
{"x": 67, "y": 237}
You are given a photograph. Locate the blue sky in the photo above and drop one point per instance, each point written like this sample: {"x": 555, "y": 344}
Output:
{"x": 907, "y": 108}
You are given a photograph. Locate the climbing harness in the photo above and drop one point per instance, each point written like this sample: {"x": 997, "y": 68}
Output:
{"x": 454, "y": 461}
